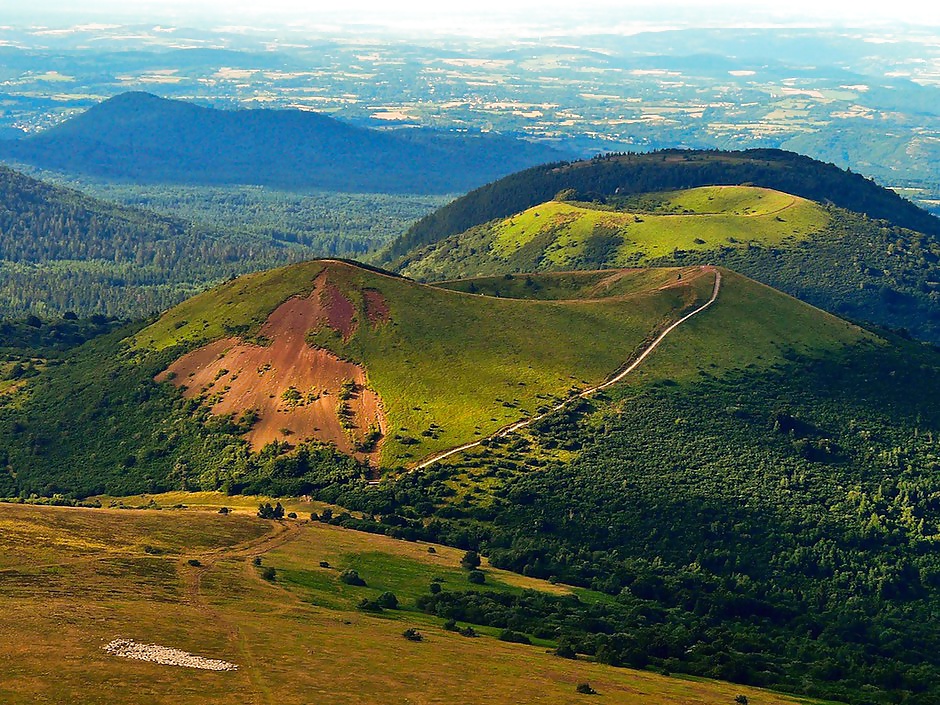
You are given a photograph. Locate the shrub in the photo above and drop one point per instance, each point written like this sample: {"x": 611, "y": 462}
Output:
{"x": 740, "y": 699}
{"x": 292, "y": 515}
{"x": 388, "y": 600}
{"x": 268, "y": 573}
{"x": 468, "y": 631}
{"x": 351, "y": 577}
{"x": 450, "y": 625}
{"x": 256, "y": 560}
{"x": 470, "y": 560}
{"x": 412, "y": 634}
{"x": 514, "y": 637}
{"x": 565, "y": 650}
{"x": 324, "y": 564}
{"x": 586, "y": 689}
{"x": 194, "y": 562}
{"x": 224, "y": 510}
{"x": 368, "y": 605}
{"x": 434, "y": 588}
{"x": 431, "y": 549}
{"x": 476, "y": 577}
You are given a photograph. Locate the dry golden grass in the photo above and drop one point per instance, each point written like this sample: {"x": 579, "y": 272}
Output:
{"x": 73, "y": 579}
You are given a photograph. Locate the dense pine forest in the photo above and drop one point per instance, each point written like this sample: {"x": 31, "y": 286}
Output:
{"x": 63, "y": 251}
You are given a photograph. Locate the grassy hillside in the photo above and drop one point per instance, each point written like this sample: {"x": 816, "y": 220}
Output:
{"x": 629, "y": 174}
{"x": 75, "y": 579}
{"x": 566, "y": 235}
{"x": 756, "y": 502}
{"x": 447, "y": 366}
{"x": 146, "y": 139}
{"x": 840, "y": 261}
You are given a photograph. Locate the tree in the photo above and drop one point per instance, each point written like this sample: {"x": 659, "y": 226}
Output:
{"x": 351, "y": 577}
{"x": 476, "y": 577}
{"x": 388, "y": 600}
{"x": 470, "y": 560}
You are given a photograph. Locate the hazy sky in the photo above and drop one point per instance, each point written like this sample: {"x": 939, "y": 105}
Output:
{"x": 478, "y": 15}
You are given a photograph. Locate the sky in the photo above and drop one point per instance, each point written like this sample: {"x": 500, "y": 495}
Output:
{"x": 479, "y": 16}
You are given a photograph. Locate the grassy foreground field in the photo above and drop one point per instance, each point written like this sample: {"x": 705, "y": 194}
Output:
{"x": 73, "y": 579}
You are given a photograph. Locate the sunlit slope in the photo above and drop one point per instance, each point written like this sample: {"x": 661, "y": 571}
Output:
{"x": 447, "y": 366}
{"x": 570, "y": 235}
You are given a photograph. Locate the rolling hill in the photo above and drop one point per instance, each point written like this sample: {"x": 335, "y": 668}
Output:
{"x": 142, "y": 138}
{"x": 668, "y": 170}
{"x": 381, "y": 367}
{"x": 562, "y": 234}
{"x": 835, "y": 259}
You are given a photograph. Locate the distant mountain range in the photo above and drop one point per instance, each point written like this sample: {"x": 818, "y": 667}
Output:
{"x": 146, "y": 139}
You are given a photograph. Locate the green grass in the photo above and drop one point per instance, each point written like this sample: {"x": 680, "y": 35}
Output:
{"x": 750, "y": 326}
{"x": 386, "y": 566}
{"x": 566, "y": 285}
{"x": 565, "y": 235}
{"x": 471, "y": 364}
{"x": 449, "y": 367}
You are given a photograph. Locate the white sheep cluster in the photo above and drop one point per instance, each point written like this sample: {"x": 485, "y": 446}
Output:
{"x": 128, "y": 648}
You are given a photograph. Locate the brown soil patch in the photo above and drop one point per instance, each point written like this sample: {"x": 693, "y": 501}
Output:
{"x": 340, "y": 312}
{"x": 376, "y": 306}
{"x": 296, "y": 389}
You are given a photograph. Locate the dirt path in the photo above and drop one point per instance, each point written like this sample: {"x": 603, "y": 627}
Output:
{"x": 256, "y": 691}
{"x": 506, "y": 430}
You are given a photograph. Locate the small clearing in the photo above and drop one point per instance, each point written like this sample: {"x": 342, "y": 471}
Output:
{"x": 164, "y": 655}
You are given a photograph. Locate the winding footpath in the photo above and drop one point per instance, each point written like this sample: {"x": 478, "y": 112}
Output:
{"x": 506, "y": 430}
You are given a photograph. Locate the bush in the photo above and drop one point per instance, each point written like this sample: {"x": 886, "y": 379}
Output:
{"x": 450, "y": 625}
{"x": 476, "y": 577}
{"x": 351, "y": 577}
{"x": 586, "y": 689}
{"x": 412, "y": 634}
{"x": 435, "y": 588}
{"x": 224, "y": 510}
{"x": 368, "y": 605}
{"x": 266, "y": 511}
{"x": 269, "y": 574}
{"x": 292, "y": 515}
{"x": 324, "y": 564}
{"x": 514, "y": 637}
{"x": 388, "y": 600}
{"x": 194, "y": 562}
{"x": 565, "y": 650}
{"x": 431, "y": 549}
{"x": 470, "y": 560}
{"x": 468, "y": 631}
{"x": 740, "y": 699}
{"x": 256, "y": 560}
